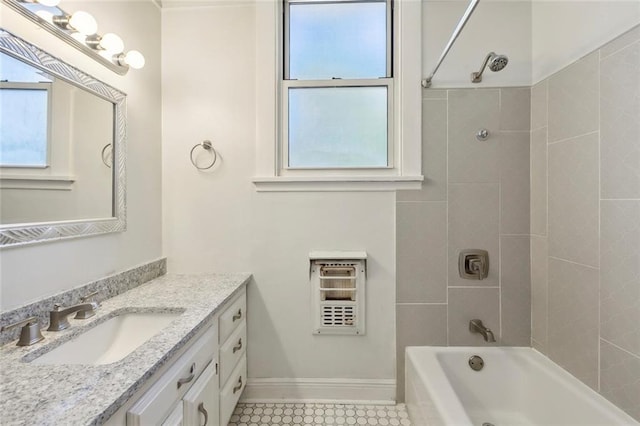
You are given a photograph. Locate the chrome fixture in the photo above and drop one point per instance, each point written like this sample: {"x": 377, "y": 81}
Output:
{"x": 476, "y": 363}
{"x": 426, "y": 83}
{"x": 208, "y": 147}
{"x": 30, "y": 332}
{"x": 482, "y": 135}
{"x": 84, "y": 314}
{"x": 473, "y": 264}
{"x": 79, "y": 30}
{"x": 58, "y": 317}
{"x": 476, "y": 326}
{"x": 495, "y": 62}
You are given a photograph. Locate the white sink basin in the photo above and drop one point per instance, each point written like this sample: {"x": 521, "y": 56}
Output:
{"x": 109, "y": 341}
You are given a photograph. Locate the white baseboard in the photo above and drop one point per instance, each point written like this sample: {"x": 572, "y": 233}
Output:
{"x": 342, "y": 391}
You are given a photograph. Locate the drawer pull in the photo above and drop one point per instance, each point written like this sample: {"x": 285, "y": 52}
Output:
{"x": 237, "y": 316}
{"x": 189, "y": 378}
{"x": 237, "y": 347}
{"x": 238, "y": 386}
{"x": 203, "y": 411}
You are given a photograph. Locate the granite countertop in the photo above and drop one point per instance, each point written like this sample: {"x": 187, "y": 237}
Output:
{"x": 88, "y": 394}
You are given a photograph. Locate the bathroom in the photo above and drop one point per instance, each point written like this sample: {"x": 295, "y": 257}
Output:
{"x": 557, "y": 212}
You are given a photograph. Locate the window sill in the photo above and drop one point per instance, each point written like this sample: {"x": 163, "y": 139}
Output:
{"x": 54, "y": 183}
{"x": 337, "y": 183}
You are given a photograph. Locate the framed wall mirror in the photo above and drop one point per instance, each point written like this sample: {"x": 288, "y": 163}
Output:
{"x": 62, "y": 149}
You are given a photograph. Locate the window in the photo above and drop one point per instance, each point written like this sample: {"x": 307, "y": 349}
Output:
{"x": 24, "y": 102}
{"x": 337, "y": 99}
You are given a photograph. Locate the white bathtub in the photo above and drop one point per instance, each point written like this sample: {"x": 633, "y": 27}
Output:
{"x": 517, "y": 386}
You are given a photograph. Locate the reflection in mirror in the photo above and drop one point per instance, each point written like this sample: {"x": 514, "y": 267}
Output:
{"x": 51, "y": 166}
{"x": 62, "y": 137}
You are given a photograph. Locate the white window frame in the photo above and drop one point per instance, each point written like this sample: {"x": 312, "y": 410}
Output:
{"x": 42, "y": 86}
{"x": 406, "y": 112}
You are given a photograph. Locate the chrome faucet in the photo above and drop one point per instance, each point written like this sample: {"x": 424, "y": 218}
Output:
{"x": 476, "y": 326}
{"x": 58, "y": 317}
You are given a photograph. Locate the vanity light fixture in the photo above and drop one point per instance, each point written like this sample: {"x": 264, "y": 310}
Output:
{"x": 80, "y": 30}
{"x": 81, "y": 22}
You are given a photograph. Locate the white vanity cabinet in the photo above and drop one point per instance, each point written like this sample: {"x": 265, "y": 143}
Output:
{"x": 205, "y": 383}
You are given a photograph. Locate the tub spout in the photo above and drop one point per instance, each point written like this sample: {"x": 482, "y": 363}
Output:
{"x": 476, "y": 326}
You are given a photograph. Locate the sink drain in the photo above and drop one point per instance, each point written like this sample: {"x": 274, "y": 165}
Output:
{"x": 487, "y": 424}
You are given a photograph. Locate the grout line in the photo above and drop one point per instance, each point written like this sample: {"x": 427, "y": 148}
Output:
{"x": 474, "y": 286}
{"x": 572, "y": 137}
{"x": 599, "y": 214}
{"x": 420, "y": 303}
{"x": 618, "y": 347}
{"x": 574, "y": 263}
{"x": 447, "y": 213}
{"x": 546, "y": 219}
{"x": 419, "y": 201}
{"x": 626, "y": 46}
{"x": 515, "y": 235}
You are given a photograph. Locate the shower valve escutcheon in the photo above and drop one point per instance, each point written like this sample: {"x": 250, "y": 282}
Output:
{"x": 473, "y": 264}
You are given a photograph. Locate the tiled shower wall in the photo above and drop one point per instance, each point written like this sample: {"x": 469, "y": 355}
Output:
{"x": 585, "y": 220}
{"x": 475, "y": 195}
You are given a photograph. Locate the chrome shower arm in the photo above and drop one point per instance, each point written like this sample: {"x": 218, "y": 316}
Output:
{"x": 476, "y": 77}
{"x": 426, "y": 83}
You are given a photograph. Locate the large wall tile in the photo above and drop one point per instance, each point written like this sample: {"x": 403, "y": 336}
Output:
{"x": 573, "y": 99}
{"x": 471, "y": 160}
{"x": 434, "y": 154}
{"x": 574, "y": 200}
{"x": 514, "y": 183}
{"x": 417, "y": 325}
{"x": 474, "y": 224}
{"x": 620, "y": 124}
{"x": 421, "y": 253}
{"x": 620, "y": 274}
{"x": 621, "y": 42}
{"x": 539, "y": 105}
{"x": 573, "y": 319}
{"x": 515, "y": 290}
{"x": 539, "y": 291}
{"x": 538, "y": 188}
{"x": 620, "y": 378}
{"x": 515, "y": 108}
{"x": 466, "y": 304}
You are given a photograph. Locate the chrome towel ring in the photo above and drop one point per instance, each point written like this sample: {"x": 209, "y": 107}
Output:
{"x": 207, "y": 147}
{"x": 107, "y": 155}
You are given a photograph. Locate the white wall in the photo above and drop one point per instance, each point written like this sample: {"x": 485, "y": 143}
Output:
{"x": 565, "y": 31}
{"x": 32, "y": 272}
{"x": 502, "y": 26}
{"x": 216, "y": 221}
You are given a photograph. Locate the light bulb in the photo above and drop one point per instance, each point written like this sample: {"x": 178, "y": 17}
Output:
{"x": 83, "y": 23}
{"x": 112, "y": 43}
{"x": 134, "y": 59}
{"x": 49, "y": 3}
{"x": 47, "y": 16}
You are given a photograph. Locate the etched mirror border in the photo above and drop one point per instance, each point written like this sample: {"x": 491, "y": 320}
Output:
{"x": 12, "y": 235}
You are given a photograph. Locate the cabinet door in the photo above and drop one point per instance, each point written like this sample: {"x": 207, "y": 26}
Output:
{"x": 200, "y": 403}
{"x": 175, "y": 418}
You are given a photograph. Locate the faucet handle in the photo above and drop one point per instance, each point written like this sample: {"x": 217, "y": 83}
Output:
{"x": 84, "y": 314}
{"x": 30, "y": 332}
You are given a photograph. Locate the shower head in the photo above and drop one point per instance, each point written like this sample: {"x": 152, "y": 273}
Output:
{"x": 495, "y": 62}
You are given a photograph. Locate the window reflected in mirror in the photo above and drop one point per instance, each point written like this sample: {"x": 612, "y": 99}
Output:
{"x": 53, "y": 136}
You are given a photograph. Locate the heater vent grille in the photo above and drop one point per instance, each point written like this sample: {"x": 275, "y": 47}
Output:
{"x": 338, "y": 294}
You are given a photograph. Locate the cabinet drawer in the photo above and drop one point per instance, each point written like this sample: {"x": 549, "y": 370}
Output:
{"x": 155, "y": 404}
{"x": 230, "y": 393}
{"x": 232, "y": 317}
{"x": 232, "y": 350}
{"x": 201, "y": 402}
{"x": 175, "y": 418}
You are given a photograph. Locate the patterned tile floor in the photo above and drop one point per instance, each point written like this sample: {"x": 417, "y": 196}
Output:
{"x": 281, "y": 414}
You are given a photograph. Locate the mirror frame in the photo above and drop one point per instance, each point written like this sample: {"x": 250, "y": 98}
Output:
{"x": 12, "y": 235}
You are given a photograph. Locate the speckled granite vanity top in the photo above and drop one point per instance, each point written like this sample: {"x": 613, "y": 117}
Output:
{"x": 88, "y": 394}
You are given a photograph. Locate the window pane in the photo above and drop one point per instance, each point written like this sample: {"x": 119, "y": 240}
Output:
{"x": 338, "y": 127}
{"x": 343, "y": 40}
{"x": 24, "y": 143}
